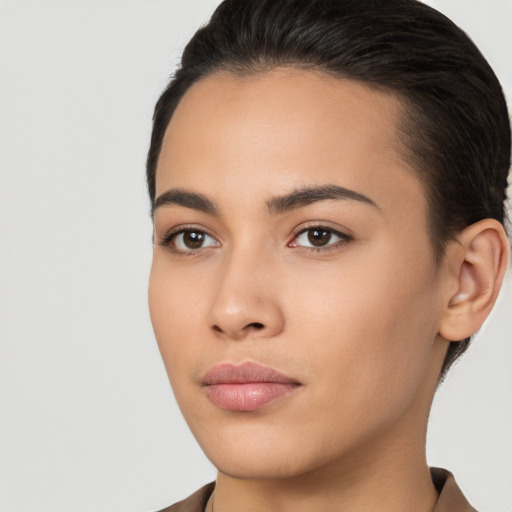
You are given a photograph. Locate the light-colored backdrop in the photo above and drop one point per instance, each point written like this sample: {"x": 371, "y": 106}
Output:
{"x": 87, "y": 419}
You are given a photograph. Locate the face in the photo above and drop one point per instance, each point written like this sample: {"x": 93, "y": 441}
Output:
{"x": 294, "y": 292}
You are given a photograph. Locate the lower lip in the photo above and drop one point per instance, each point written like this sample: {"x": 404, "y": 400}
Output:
{"x": 248, "y": 396}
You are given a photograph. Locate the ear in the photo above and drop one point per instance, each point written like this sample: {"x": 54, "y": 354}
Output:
{"x": 477, "y": 263}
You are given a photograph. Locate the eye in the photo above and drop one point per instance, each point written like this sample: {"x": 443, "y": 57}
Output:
{"x": 188, "y": 240}
{"x": 318, "y": 237}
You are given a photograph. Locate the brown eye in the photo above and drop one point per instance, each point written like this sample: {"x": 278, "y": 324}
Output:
{"x": 191, "y": 240}
{"x": 319, "y": 237}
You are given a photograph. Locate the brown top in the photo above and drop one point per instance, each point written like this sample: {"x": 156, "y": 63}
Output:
{"x": 451, "y": 498}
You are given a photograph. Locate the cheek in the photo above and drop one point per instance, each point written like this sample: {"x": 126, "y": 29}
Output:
{"x": 368, "y": 328}
{"x": 175, "y": 315}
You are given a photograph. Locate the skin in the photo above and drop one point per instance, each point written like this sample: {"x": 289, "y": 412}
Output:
{"x": 357, "y": 321}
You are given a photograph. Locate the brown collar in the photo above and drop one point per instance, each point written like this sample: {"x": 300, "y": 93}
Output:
{"x": 451, "y": 498}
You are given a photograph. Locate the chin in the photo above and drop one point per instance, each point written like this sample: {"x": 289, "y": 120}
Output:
{"x": 257, "y": 467}
{"x": 264, "y": 454}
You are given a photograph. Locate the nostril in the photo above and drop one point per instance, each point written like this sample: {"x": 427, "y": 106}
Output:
{"x": 253, "y": 326}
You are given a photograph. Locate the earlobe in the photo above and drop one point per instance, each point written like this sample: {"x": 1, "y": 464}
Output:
{"x": 479, "y": 267}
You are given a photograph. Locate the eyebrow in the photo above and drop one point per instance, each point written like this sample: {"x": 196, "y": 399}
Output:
{"x": 308, "y": 195}
{"x": 280, "y": 204}
{"x": 187, "y": 199}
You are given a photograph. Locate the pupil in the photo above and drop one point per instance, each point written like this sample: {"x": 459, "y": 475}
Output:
{"x": 193, "y": 239}
{"x": 319, "y": 237}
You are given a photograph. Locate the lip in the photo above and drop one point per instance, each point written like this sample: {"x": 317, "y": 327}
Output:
{"x": 247, "y": 386}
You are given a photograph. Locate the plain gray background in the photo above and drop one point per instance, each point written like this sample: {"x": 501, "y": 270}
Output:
{"x": 88, "y": 421}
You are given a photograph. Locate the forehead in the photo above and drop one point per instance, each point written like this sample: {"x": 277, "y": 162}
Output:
{"x": 282, "y": 129}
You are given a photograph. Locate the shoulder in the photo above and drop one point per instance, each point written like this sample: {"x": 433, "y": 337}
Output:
{"x": 195, "y": 502}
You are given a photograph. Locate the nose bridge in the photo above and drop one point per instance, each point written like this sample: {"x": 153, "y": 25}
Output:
{"x": 245, "y": 302}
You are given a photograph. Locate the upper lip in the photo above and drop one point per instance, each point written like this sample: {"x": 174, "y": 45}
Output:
{"x": 244, "y": 373}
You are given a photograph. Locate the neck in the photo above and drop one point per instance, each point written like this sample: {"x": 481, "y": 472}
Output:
{"x": 391, "y": 484}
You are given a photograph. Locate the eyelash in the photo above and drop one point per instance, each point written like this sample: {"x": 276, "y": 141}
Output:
{"x": 170, "y": 236}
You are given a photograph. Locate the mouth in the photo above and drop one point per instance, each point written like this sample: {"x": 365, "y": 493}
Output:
{"x": 247, "y": 386}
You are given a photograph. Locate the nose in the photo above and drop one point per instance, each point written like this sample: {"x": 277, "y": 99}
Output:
{"x": 246, "y": 302}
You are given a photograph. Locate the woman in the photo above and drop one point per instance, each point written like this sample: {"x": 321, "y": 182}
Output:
{"x": 328, "y": 181}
